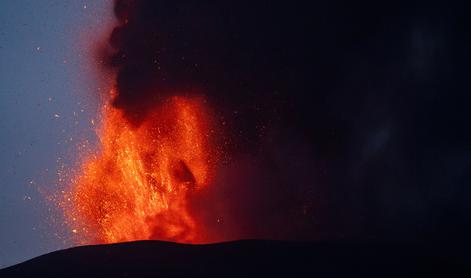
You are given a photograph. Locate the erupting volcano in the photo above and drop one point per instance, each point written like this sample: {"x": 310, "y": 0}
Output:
{"x": 138, "y": 186}
{"x": 156, "y": 150}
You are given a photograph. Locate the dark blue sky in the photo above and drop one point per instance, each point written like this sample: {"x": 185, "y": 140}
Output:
{"x": 46, "y": 98}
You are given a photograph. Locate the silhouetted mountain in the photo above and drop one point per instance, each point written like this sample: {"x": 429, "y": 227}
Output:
{"x": 250, "y": 258}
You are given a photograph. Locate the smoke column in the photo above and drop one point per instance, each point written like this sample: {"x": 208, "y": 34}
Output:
{"x": 334, "y": 122}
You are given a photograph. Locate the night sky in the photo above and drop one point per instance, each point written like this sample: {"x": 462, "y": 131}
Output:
{"x": 343, "y": 121}
{"x": 45, "y": 77}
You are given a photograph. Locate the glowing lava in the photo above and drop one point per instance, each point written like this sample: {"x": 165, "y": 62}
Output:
{"x": 139, "y": 184}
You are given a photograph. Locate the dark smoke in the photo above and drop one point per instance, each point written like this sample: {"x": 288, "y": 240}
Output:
{"x": 343, "y": 119}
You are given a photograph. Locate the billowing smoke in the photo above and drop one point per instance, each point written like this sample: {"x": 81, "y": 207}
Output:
{"x": 340, "y": 120}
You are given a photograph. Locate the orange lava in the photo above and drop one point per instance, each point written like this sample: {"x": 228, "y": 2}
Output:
{"x": 139, "y": 184}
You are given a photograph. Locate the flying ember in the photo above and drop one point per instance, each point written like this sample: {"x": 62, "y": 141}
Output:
{"x": 139, "y": 185}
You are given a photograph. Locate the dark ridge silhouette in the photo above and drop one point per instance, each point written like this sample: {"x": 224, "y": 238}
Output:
{"x": 249, "y": 258}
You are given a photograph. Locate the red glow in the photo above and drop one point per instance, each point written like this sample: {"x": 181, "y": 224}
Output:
{"x": 139, "y": 185}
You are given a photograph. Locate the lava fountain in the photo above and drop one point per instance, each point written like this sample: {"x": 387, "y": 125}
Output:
{"x": 139, "y": 184}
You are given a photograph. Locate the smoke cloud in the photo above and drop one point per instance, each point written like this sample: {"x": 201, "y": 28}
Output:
{"x": 341, "y": 120}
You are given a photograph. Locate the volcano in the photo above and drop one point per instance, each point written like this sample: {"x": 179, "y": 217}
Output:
{"x": 250, "y": 258}
{"x": 312, "y": 121}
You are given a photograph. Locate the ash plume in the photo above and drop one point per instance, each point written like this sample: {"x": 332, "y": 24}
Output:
{"x": 341, "y": 122}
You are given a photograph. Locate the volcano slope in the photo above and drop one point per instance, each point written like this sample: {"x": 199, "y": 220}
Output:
{"x": 250, "y": 258}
